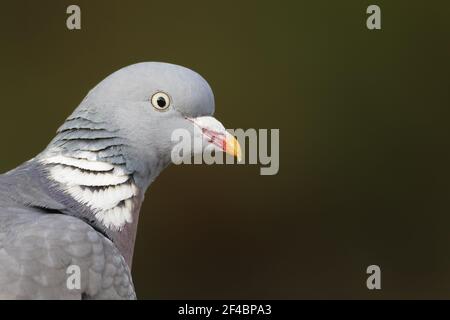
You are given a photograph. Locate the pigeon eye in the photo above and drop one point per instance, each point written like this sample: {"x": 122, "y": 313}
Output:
{"x": 160, "y": 101}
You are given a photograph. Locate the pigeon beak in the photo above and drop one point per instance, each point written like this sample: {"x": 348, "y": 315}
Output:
{"x": 215, "y": 133}
{"x": 232, "y": 146}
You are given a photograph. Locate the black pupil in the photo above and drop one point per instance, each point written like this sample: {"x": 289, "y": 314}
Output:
{"x": 161, "y": 102}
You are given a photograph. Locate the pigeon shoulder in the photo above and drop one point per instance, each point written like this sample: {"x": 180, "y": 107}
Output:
{"x": 26, "y": 185}
{"x": 39, "y": 253}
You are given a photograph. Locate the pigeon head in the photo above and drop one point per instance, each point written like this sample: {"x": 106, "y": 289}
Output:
{"x": 143, "y": 104}
{"x": 146, "y": 102}
{"x": 120, "y": 138}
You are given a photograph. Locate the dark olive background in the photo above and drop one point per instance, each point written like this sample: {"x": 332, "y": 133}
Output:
{"x": 364, "y": 136}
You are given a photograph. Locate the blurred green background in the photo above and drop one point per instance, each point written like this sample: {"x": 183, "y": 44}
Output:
{"x": 364, "y": 127}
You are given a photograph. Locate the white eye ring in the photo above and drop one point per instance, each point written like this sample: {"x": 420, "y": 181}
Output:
{"x": 161, "y": 101}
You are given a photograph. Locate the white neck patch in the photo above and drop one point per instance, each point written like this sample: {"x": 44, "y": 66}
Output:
{"x": 105, "y": 188}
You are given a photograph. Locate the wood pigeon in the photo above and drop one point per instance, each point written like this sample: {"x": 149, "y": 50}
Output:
{"x": 75, "y": 206}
